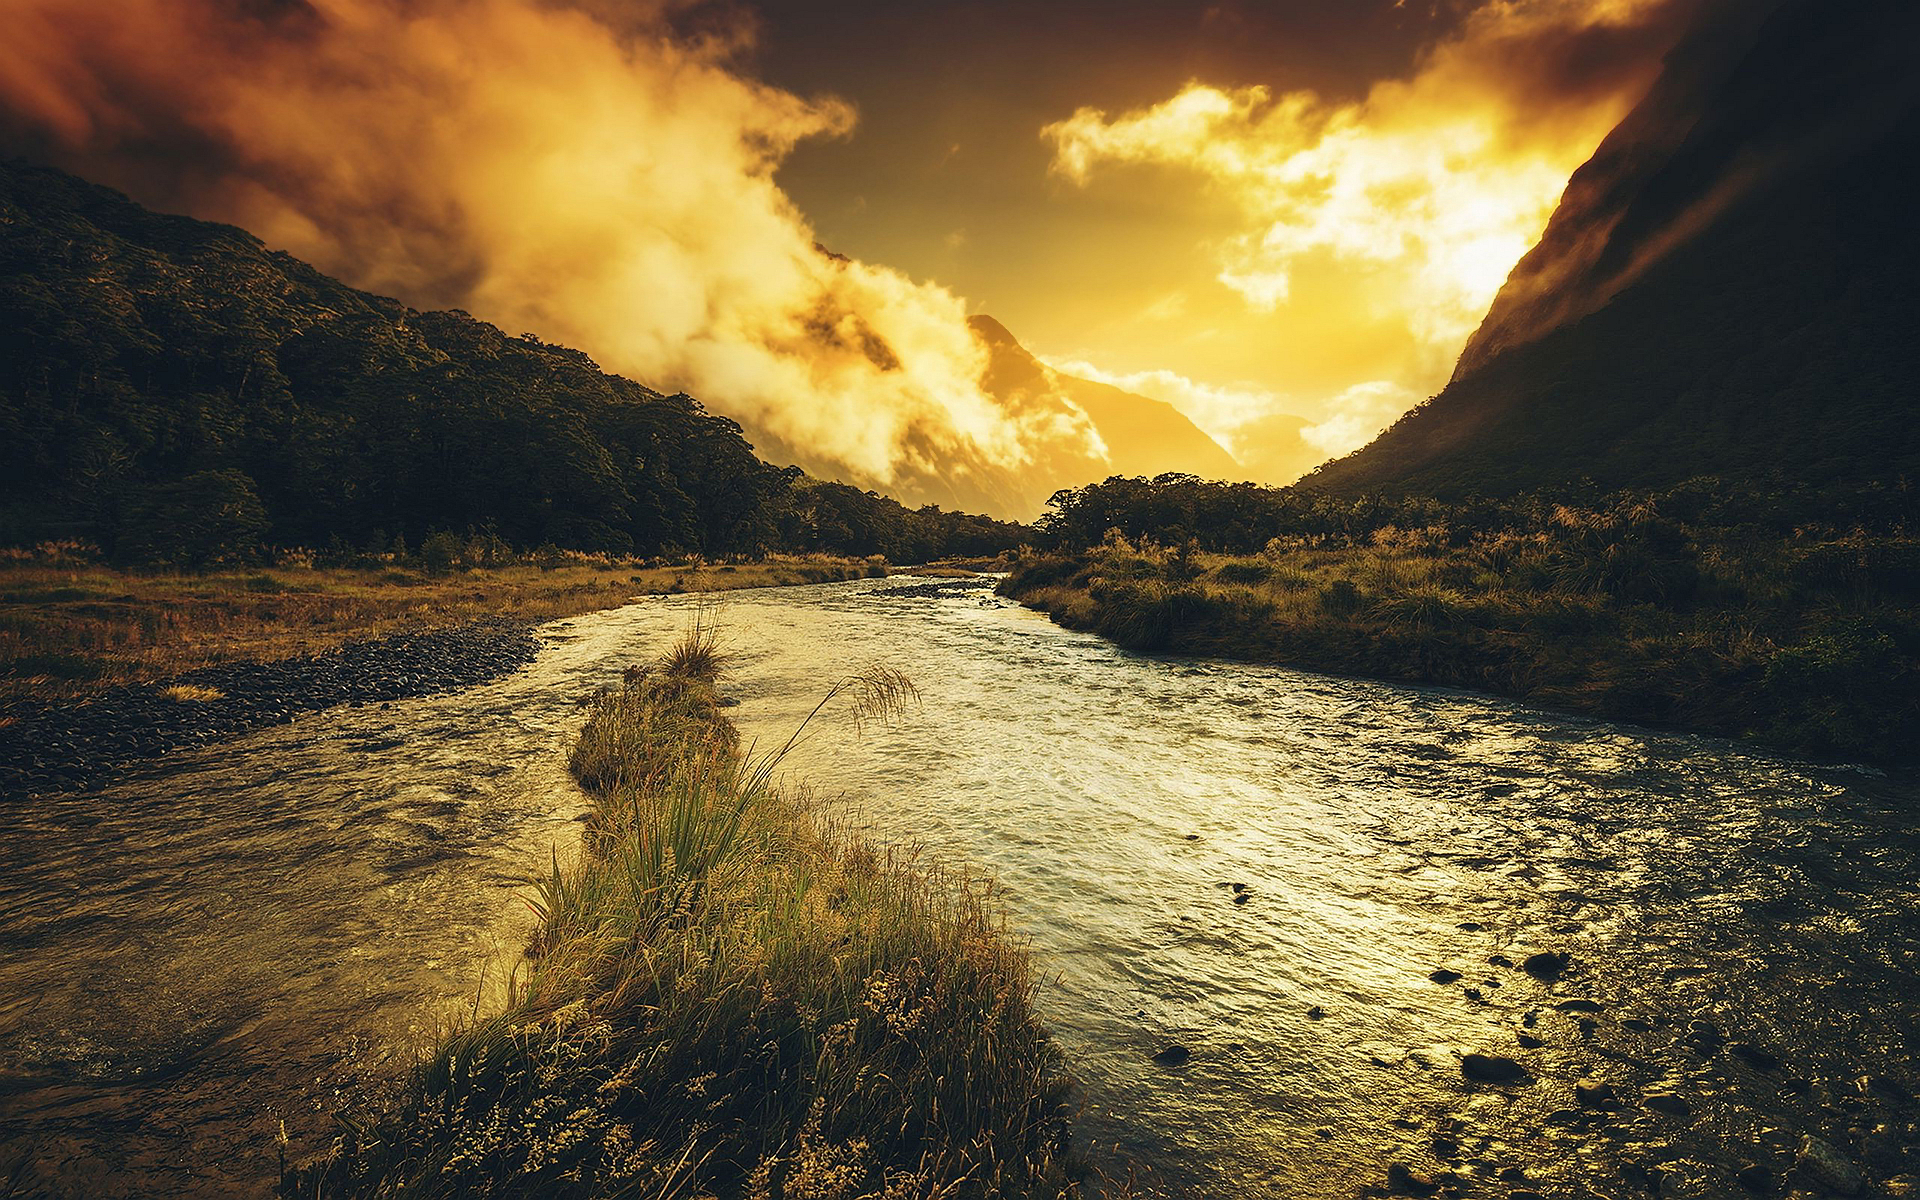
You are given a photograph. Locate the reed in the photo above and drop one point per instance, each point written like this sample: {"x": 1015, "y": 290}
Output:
{"x": 728, "y": 997}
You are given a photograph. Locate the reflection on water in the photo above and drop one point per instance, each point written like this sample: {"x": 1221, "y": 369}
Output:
{"x": 1264, "y": 866}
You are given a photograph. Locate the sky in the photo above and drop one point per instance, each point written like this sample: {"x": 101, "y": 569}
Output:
{"x": 1271, "y": 215}
{"x": 1011, "y": 151}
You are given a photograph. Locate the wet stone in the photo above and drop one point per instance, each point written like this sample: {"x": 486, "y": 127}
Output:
{"x": 1827, "y": 1166}
{"x": 1173, "y": 1056}
{"x": 1403, "y": 1180}
{"x": 1754, "y": 1056}
{"x": 1668, "y": 1103}
{"x": 1546, "y": 965}
{"x": 1756, "y": 1178}
{"x": 1489, "y": 1068}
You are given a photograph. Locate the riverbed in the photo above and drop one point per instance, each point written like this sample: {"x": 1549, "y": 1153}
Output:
{"x": 1276, "y": 910}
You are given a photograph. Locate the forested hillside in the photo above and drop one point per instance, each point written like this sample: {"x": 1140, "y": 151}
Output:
{"x": 174, "y": 391}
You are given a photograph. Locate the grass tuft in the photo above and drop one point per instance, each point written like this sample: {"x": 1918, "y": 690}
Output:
{"x": 192, "y": 693}
{"x": 728, "y": 997}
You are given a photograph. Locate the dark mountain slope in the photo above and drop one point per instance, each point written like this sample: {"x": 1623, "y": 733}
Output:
{"x": 163, "y": 377}
{"x": 1728, "y": 287}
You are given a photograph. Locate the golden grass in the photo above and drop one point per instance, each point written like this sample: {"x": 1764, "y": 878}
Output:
{"x": 727, "y": 997}
{"x": 192, "y": 693}
{"x": 67, "y": 632}
{"x": 1804, "y": 644}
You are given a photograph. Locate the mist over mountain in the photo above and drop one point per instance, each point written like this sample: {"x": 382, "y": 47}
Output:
{"x": 1727, "y": 287}
{"x": 1142, "y": 436}
{"x": 173, "y": 390}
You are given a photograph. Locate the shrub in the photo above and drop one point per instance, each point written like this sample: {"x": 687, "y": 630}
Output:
{"x": 726, "y": 999}
{"x": 440, "y": 553}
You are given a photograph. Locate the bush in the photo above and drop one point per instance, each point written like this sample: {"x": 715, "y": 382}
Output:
{"x": 440, "y": 553}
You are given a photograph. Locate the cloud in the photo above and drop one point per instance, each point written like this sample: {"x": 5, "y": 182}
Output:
{"x": 1359, "y": 415}
{"x": 1220, "y": 412}
{"x": 1261, "y": 428}
{"x": 1421, "y": 195}
{"x": 600, "y": 175}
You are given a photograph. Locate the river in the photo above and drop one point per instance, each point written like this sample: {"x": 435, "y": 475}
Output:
{"x": 1279, "y": 872}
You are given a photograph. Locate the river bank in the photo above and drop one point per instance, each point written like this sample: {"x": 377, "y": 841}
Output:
{"x": 1815, "y": 663}
{"x": 101, "y": 668}
{"x": 726, "y": 996}
{"x": 72, "y": 628}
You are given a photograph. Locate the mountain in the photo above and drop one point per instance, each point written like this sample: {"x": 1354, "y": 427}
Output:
{"x": 1142, "y": 436}
{"x": 174, "y": 391}
{"x": 1727, "y": 287}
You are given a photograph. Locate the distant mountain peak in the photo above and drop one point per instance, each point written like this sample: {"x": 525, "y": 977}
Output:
{"x": 1142, "y": 436}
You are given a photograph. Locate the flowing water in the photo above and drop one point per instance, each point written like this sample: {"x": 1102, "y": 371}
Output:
{"x": 1262, "y": 866}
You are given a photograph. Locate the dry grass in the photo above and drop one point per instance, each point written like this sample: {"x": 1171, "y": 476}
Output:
{"x": 192, "y": 693}
{"x": 68, "y": 631}
{"x": 728, "y": 998}
{"x": 1812, "y": 645}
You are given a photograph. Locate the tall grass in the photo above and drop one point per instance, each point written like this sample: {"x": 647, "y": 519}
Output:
{"x": 1807, "y": 644}
{"x": 726, "y": 997}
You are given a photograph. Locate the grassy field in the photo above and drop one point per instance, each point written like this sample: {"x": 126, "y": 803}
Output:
{"x": 727, "y": 998}
{"x": 70, "y": 628}
{"x": 1812, "y": 646}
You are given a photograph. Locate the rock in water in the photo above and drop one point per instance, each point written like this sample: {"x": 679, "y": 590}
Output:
{"x": 1173, "y": 1056}
{"x": 1404, "y": 1181}
{"x": 1488, "y": 1068}
{"x": 1830, "y": 1168}
{"x": 1546, "y": 965}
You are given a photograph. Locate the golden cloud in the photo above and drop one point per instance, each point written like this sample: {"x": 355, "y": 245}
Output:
{"x": 1425, "y": 192}
{"x": 601, "y": 181}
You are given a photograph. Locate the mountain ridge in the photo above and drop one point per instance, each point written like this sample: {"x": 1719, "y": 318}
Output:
{"x": 162, "y": 376}
{"x": 1690, "y": 311}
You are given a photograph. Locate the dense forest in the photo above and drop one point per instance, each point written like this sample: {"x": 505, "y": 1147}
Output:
{"x": 172, "y": 391}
